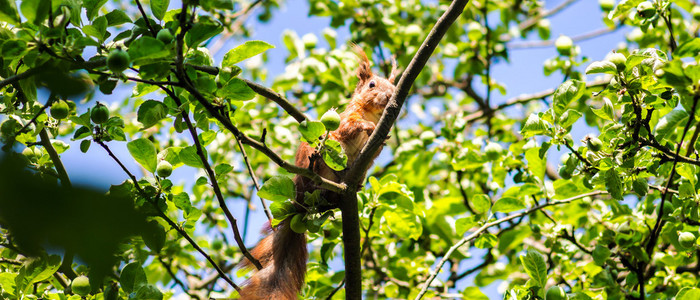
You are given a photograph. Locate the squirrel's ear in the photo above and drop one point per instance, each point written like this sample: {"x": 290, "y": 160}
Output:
{"x": 364, "y": 72}
{"x": 394, "y": 70}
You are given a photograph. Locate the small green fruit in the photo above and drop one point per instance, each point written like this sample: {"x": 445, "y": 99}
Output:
{"x": 297, "y": 223}
{"x": 31, "y": 153}
{"x": 164, "y": 169}
{"x": 619, "y": 60}
{"x": 606, "y": 5}
{"x": 118, "y": 60}
{"x": 646, "y": 10}
{"x": 331, "y": 119}
{"x": 686, "y": 240}
{"x": 59, "y": 110}
{"x": 695, "y": 12}
{"x": 493, "y": 150}
{"x": 564, "y": 172}
{"x": 564, "y": 45}
{"x": 99, "y": 113}
{"x": 594, "y": 144}
{"x": 165, "y": 36}
{"x": 81, "y": 286}
{"x": 555, "y": 293}
{"x": 659, "y": 73}
{"x": 427, "y": 136}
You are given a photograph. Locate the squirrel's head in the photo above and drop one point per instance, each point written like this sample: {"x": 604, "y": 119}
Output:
{"x": 373, "y": 92}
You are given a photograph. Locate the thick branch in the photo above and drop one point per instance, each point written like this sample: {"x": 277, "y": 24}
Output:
{"x": 483, "y": 228}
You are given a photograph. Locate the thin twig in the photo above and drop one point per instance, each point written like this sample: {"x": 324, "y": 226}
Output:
{"x": 55, "y": 158}
{"x": 214, "y": 183}
{"x": 255, "y": 180}
{"x": 483, "y": 228}
{"x": 172, "y": 224}
{"x": 145, "y": 19}
{"x": 549, "y": 43}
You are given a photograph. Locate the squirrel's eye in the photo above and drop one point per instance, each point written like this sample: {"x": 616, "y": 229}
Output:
{"x": 372, "y": 84}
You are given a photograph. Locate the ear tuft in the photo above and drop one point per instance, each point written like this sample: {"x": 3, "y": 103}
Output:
{"x": 364, "y": 72}
{"x": 394, "y": 70}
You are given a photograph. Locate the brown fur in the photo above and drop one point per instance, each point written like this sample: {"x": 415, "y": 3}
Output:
{"x": 283, "y": 253}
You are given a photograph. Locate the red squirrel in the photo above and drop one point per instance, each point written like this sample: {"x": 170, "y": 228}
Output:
{"x": 283, "y": 253}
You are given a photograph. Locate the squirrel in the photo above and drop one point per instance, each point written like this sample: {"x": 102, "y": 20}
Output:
{"x": 283, "y": 253}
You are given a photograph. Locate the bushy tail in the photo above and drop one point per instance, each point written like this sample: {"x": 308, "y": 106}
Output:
{"x": 283, "y": 256}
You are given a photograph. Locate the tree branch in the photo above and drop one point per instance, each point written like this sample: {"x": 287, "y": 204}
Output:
{"x": 483, "y": 228}
{"x": 55, "y": 158}
{"x": 170, "y": 222}
{"x": 577, "y": 38}
{"x": 214, "y": 183}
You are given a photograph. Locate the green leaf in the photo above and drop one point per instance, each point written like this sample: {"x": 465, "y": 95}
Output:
{"x": 35, "y": 11}
{"x": 311, "y": 131}
{"x": 468, "y": 159}
{"x": 334, "y": 156}
{"x": 97, "y": 29}
{"x": 535, "y": 266}
{"x": 607, "y": 111}
{"x": 282, "y": 209}
{"x": 117, "y": 17}
{"x": 600, "y": 254}
{"x": 245, "y": 51}
{"x": 36, "y": 270}
{"x": 473, "y": 293}
{"x": 145, "y": 49}
{"x": 132, "y": 277}
{"x": 464, "y": 224}
{"x": 690, "y": 48}
{"x": 566, "y": 92}
{"x": 508, "y": 204}
{"x": 93, "y": 7}
{"x": 533, "y": 126}
{"x": 668, "y": 123}
{"x": 236, "y": 89}
{"x": 151, "y": 112}
{"x": 640, "y": 186}
{"x": 674, "y": 75}
{"x": 189, "y": 156}
{"x": 148, "y": 292}
{"x": 144, "y": 152}
{"x": 605, "y": 66}
{"x": 84, "y": 146}
{"x": 688, "y": 293}
{"x": 613, "y": 183}
{"x": 278, "y": 188}
{"x": 569, "y": 117}
{"x": 159, "y": 7}
{"x": 486, "y": 241}
{"x": 480, "y": 203}
{"x": 536, "y": 162}
{"x": 202, "y": 30}
{"x": 8, "y": 12}
{"x": 403, "y": 223}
